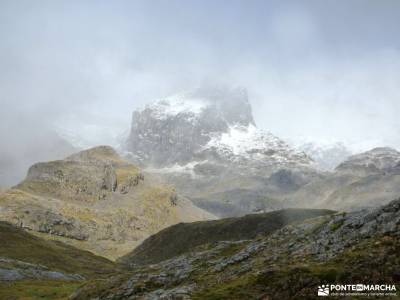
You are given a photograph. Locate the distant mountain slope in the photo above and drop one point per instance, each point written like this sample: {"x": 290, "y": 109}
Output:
{"x": 377, "y": 160}
{"x": 288, "y": 264}
{"x": 206, "y": 143}
{"x": 368, "y": 179}
{"x": 184, "y": 237}
{"x": 96, "y": 201}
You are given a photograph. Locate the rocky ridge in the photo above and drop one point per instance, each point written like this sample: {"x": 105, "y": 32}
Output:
{"x": 368, "y": 179}
{"x": 289, "y": 263}
{"x": 377, "y": 160}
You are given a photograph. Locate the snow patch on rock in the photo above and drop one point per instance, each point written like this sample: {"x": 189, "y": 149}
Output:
{"x": 178, "y": 104}
{"x": 241, "y": 140}
{"x": 249, "y": 142}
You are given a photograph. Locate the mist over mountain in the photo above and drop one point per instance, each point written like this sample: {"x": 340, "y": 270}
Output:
{"x": 326, "y": 156}
{"x": 304, "y": 73}
{"x": 213, "y": 152}
{"x": 199, "y": 149}
{"x": 209, "y": 123}
{"x": 26, "y": 147}
{"x": 206, "y": 143}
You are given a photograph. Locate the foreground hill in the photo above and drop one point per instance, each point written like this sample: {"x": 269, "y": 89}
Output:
{"x": 20, "y": 248}
{"x": 184, "y": 237}
{"x": 95, "y": 201}
{"x": 290, "y": 263}
{"x": 34, "y": 268}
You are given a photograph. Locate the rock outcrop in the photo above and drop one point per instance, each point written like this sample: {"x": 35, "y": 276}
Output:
{"x": 14, "y": 270}
{"x": 95, "y": 200}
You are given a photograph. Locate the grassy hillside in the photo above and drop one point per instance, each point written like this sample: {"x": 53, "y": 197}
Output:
{"x": 38, "y": 290}
{"x": 290, "y": 263}
{"x": 183, "y": 237}
{"x": 20, "y": 245}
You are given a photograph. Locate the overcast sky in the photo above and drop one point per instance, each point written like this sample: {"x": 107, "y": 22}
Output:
{"x": 321, "y": 70}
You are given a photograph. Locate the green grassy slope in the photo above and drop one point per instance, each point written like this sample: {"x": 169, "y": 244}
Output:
{"x": 38, "y": 290}
{"x": 20, "y": 245}
{"x": 183, "y": 237}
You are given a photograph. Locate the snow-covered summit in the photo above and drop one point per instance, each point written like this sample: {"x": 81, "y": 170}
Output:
{"x": 229, "y": 105}
{"x": 178, "y": 104}
{"x": 202, "y": 125}
{"x": 249, "y": 142}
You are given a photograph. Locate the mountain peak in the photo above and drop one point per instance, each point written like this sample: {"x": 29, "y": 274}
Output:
{"x": 231, "y": 105}
{"x": 383, "y": 151}
{"x": 189, "y": 126}
{"x": 378, "y": 159}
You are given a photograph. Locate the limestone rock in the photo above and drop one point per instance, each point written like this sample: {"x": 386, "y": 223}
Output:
{"x": 96, "y": 201}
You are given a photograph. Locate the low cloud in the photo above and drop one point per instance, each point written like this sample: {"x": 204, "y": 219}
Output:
{"x": 321, "y": 71}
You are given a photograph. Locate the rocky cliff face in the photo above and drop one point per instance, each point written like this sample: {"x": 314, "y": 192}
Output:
{"x": 96, "y": 201}
{"x": 207, "y": 124}
{"x": 207, "y": 144}
{"x": 174, "y": 130}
